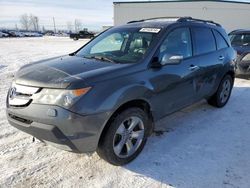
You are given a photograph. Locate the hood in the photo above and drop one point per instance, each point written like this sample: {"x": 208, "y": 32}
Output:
{"x": 242, "y": 49}
{"x": 61, "y": 72}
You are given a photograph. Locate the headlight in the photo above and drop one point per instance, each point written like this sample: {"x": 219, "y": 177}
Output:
{"x": 246, "y": 57}
{"x": 65, "y": 98}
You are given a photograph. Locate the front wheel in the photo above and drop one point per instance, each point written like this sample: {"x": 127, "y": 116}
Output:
{"x": 125, "y": 137}
{"x": 221, "y": 97}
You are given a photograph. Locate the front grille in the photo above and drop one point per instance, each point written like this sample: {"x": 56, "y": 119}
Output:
{"x": 26, "y": 121}
{"x": 21, "y": 96}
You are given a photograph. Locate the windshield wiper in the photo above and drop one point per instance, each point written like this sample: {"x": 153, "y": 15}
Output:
{"x": 103, "y": 58}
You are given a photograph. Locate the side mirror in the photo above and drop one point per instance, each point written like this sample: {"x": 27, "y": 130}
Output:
{"x": 171, "y": 59}
{"x": 156, "y": 63}
{"x": 166, "y": 59}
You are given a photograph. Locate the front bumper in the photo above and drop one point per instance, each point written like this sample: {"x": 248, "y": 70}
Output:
{"x": 59, "y": 127}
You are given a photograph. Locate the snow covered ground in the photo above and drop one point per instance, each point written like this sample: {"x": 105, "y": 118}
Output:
{"x": 201, "y": 146}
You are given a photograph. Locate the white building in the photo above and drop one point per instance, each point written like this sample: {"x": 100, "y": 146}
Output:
{"x": 231, "y": 14}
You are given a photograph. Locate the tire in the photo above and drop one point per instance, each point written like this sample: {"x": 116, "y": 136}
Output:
{"x": 75, "y": 38}
{"x": 115, "y": 146}
{"x": 223, "y": 93}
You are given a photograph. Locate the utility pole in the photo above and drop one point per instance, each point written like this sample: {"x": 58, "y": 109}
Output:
{"x": 75, "y": 27}
{"x": 44, "y": 29}
{"x": 54, "y": 25}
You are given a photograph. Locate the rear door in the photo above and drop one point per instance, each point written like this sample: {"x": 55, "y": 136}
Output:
{"x": 223, "y": 52}
{"x": 209, "y": 61}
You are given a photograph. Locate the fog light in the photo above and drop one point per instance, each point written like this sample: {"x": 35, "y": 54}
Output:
{"x": 68, "y": 100}
{"x": 52, "y": 112}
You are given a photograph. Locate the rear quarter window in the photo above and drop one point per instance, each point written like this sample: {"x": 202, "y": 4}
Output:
{"x": 220, "y": 41}
{"x": 204, "y": 41}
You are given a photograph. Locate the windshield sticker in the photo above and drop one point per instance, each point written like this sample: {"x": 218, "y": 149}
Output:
{"x": 150, "y": 30}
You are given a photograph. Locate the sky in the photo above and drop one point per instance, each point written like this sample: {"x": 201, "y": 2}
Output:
{"x": 92, "y": 13}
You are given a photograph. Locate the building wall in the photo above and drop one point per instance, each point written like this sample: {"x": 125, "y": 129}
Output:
{"x": 230, "y": 15}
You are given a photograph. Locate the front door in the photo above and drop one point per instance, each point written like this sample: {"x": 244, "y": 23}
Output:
{"x": 174, "y": 84}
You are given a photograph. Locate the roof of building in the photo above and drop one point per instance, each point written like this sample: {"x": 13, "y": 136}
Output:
{"x": 180, "y": 1}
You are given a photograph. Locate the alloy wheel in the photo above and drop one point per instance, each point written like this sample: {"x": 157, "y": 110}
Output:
{"x": 225, "y": 92}
{"x": 128, "y": 137}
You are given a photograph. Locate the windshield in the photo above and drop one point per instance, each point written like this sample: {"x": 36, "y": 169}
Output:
{"x": 240, "y": 39}
{"x": 120, "y": 45}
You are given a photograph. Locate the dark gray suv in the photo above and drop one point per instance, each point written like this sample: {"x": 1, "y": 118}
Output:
{"x": 106, "y": 96}
{"x": 240, "y": 40}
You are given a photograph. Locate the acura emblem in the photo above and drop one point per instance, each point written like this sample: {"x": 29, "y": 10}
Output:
{"x": 12, "y": 93}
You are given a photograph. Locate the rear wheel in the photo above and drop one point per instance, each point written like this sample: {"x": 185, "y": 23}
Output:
{"x": 221, "y": 97}
{"x": 125, "y": 137}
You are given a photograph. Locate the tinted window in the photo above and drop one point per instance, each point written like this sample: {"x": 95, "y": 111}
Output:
{"x": 220, "y": 41}
{"x": 240, "y": 39}
{"x": 178, "y": 42}
{"x": 204, "y": 41}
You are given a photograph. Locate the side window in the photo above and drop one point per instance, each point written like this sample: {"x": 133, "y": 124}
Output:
{"x": 178, "y": 42}
{"x": 220, "y": 41}
{"x": 204, "y": 41}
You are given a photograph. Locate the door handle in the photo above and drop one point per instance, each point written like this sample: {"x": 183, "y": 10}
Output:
{"x": 221, "y": 58}
{"x": 193, "y": 67}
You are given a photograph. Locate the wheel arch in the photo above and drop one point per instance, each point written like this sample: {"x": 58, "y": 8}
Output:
{"x": 139, "y": 103}
{"x": 231, "y": 73}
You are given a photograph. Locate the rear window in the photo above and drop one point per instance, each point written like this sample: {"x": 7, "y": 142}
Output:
{"x": 204, "y": 41}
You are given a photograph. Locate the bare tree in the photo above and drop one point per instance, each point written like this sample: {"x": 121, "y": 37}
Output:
{"x": 34, "y": 22}
{"x": 78, "y": 25}
{"x": 24, "y": 21}
{"x": 70, "y": 26}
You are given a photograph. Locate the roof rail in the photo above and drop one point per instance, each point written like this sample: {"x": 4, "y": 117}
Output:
{"x": 134, "y": 21}
{"x": 156, "y": 18}
{"x": 178, "y": 19}
{"x": 187, "y": 19}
